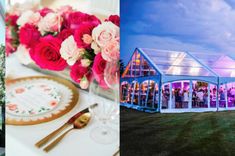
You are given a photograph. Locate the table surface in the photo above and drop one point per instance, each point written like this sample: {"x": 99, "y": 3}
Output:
{"x": 20, "y": 140}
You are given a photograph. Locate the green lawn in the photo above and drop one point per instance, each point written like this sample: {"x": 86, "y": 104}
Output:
{"x": 189, "y": 134}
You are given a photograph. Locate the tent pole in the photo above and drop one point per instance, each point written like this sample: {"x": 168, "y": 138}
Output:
{"x": 226, "y": 95}
{"x": 209, "y": 95}
{"x": 190, "y": 93}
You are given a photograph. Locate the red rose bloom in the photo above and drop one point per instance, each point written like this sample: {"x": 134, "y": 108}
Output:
{"x": 43, "y": 12}
{"x": 78, "y": 71}
{"x": 115, "y": 19}
{"x": 75, "y": 19}
{"x": 82, "y": 36}
{"x": 65, "y": 33}
{"x": 11, "y": 20}
{"x": 46, "y": 54}
{"x": 98, "y": 70}
{"x": 29, "y": 35}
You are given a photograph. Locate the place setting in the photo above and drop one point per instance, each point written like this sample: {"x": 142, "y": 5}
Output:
{"x": 62, "y": 80}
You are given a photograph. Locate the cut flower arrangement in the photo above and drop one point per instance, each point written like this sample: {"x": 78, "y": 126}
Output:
{"x": 64, "y": 38}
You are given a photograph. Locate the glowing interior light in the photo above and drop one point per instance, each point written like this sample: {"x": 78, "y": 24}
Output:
{"x": 194, "y": 71}
{"x": 233, "y": 74}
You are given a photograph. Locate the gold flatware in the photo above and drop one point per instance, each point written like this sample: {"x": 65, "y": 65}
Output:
{"x": 50, "y": 136}
{"x": 116, "y": 153}
{"x": 79, "y": 123}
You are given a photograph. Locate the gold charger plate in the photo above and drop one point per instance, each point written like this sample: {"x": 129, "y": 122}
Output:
{"x": 73, "y": 97}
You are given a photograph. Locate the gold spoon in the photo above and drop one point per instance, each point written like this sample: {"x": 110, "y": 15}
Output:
{"x": 79, "y": 123}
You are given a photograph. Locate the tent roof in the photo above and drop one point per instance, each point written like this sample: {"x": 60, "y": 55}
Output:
{"x": 177, "y": 63}
{"x": 222, "y": 65}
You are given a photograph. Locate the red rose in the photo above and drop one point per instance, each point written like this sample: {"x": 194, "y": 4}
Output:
{"x": 78, "y": 71}
{"x": 115, "y": 19}
{"x": 29, "y": 35}
{"x": 75, "y": 19}
{"x": 98, "y": 70}
{"x": 46, "y": 54}
{"x": 11, "y": 20}
{"x": 43, "y": 12}
{"x": 82, "y": 35}
{"x": 65, "y": 33}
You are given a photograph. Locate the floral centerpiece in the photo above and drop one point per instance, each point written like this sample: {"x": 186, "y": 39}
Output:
{"x": 64, "y": 38}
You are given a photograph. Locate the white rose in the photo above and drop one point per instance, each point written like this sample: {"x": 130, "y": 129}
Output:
{"x": 29, "y": 17}
{"x": 22, "y": 53}
{"x": 50, "y": 23}
{"x": 69, "y": 50}
{"x": 104, "y": 33}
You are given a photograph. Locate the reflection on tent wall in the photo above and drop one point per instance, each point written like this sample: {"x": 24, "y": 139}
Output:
{"x": 170, "y": 81}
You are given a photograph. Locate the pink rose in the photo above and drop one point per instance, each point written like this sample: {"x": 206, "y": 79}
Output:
{"x": 98, "y": 70}
{"x": 78, "y": 72}
{"x": 104, "y": 33}
{"x": 43, "y": 12}
{"x": 75, "y": 19}
{"x": 9, "y": 48}
{"x": 46, "y": 54}
{"x": 111, "y": 51}
{"x": 11, "y": 20}
{"x": 115, "y": 19}
{"x": 29, "y": 35}
{"x": 65, "y": 33}
{"x": 82, "y": 35}
{"x": 50, "y": 23}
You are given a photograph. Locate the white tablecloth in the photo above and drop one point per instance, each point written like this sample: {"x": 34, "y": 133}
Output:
{"x": 20, "y": 140}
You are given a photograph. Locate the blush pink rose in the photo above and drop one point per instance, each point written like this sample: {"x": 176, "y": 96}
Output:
{"x": 50, "y": 23}
{"x": 83, "y": 36}
{"x": 111, "y": 51}
{"x": 29, "y": 35}
{"x": 98, "y": 70}
{"x": 75, "y": 19}
{"x": 29, "y": 17}
{"x": 115, "y": 19}
{"x": 78, "y": 72}
{"x": 46, "y": 54}
{"x": 105, "y": 33}
{"x": 65, "y": 33}
{"x": 43, "y": 12}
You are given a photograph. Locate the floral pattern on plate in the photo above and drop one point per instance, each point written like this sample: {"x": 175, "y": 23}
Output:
{"x": 32, "y": 99}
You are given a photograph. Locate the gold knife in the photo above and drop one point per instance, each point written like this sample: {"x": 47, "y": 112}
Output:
{"x": 50, "y": 136}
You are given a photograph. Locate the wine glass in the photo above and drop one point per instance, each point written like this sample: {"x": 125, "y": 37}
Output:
{"x": 107, "y": 98}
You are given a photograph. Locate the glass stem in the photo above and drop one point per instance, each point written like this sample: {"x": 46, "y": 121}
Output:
{"x": 104, "y": 129}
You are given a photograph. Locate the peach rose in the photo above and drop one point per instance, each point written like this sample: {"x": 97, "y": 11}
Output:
{"x": 105, "y": 33}
{"x": 111, "y": 51}
{"x": 69, "y": 50}
{"x": 29, "y": 17}
{"x": 50, "y": 23}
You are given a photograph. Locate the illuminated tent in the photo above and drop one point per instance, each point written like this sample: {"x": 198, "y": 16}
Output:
{"x": 174, "y": 81}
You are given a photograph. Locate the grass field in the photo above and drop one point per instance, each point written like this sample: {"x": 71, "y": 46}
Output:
{"x": 186, "y": 134}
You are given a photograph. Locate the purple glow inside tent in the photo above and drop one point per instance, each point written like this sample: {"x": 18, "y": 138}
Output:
{"x": 172, "y": 81}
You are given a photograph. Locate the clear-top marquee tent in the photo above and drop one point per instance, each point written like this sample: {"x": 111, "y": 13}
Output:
{"x": 175, "y": 81}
